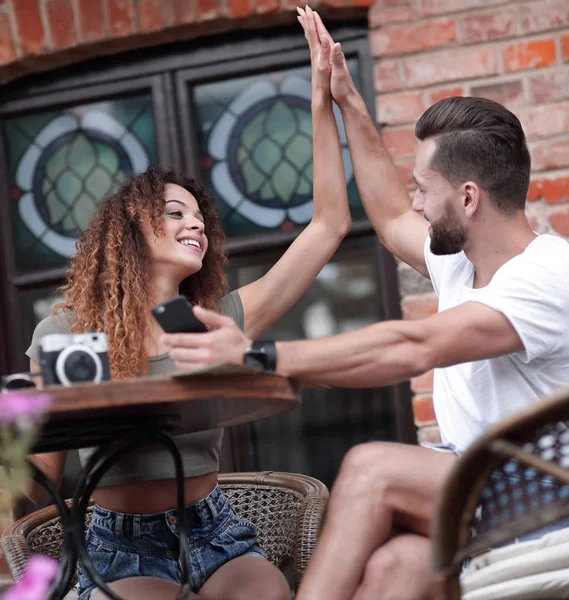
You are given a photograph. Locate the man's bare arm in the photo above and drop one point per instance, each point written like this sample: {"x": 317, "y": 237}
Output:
{"x": 392, "y": 351}
{"x": 384, "y": 195}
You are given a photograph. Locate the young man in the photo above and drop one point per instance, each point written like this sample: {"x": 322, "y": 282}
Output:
{"x": 499, "y": 341}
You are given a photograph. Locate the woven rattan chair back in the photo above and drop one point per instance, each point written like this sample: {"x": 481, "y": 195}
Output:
{"x": 514, "y": 479}
{"x": 287, "y": 510}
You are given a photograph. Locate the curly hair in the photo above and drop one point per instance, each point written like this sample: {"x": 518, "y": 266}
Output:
{"x": 108, "y": 281}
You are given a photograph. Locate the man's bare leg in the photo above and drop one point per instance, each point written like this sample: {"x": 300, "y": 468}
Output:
{"x": 380, "y": 485}
{"x": 398, "y": 570}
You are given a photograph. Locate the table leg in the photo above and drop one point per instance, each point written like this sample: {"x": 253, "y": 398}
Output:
{"x": 102, "y": 460}
{"x": 68, "y": 555}
{"x": 73, "y": 520}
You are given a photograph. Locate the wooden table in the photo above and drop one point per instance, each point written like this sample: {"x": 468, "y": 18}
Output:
{"x": 121, "y": 416}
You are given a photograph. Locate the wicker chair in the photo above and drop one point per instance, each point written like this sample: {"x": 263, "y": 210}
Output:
{"x": 482, "y": 506}
{"x": 287, "y": 510}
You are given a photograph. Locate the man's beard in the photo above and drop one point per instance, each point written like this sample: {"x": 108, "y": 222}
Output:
{"x": 449, "y": 236}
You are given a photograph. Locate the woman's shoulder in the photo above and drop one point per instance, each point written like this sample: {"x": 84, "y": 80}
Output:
{"x": 57, "y": 323}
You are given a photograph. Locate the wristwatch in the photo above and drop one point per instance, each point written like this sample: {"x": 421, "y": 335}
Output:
{"x": 263, "y": 354}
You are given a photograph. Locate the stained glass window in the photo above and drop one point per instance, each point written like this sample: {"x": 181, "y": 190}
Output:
{"x": 255, "y": 139}
{"x": 63, "y": 163}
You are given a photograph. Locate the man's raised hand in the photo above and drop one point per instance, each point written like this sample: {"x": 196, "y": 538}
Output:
{"x": 341, "y": 83}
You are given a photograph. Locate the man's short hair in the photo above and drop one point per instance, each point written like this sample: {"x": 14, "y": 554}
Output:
{"x": 482, "y": 141}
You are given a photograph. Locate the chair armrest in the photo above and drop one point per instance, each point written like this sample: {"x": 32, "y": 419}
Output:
{"x": 16, "y": 550}
{"x": 307, "y": 532}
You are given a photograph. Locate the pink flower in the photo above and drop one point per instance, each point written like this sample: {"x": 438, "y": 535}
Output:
{"x": 14, "y": 406}
{"x": 38, "y": 577}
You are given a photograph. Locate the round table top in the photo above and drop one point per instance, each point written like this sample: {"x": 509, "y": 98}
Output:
{"x": 84, "y": 415}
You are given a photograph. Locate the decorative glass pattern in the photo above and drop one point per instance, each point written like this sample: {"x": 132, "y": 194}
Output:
{"x": 63, "y": 163}
{"x": 255, "y": 138}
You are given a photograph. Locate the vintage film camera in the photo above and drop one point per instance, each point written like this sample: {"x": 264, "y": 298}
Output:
{"x": 74, "y": 358}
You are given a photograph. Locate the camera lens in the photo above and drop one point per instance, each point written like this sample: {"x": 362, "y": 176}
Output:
{"x": 76, "y": 364}
{"x": 80, "y": 366}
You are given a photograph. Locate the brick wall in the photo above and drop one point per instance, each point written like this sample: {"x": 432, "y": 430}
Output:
{"x": 514, "y": 52}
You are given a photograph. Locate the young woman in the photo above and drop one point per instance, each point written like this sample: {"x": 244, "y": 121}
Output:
{"x": 156, "y": 237}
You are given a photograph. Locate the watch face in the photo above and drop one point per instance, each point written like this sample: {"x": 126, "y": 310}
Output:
{"x": 255, "y": 358}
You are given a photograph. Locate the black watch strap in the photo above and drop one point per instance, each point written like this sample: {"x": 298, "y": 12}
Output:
{"x": 263, "y": 354}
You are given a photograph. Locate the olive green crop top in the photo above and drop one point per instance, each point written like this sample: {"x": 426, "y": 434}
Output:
{"x": 200, "y": 451}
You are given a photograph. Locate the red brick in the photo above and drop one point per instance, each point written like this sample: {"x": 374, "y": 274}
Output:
{"x": 30, "y": 29}
{"x": 121, "y": 17}
{"x": 149, "y": 13}
{"x": 555, "y": 189}
{"x": 429, "y": 433}
{"x": 399, "y": 141}
{"x": 535, "y": 189}
{"x": 542, "y": 15}
{"x": 544, "y": 120}
{"x": 266, "y": 6}
{"x": 528, "y": 55}
{"x": 7, "y": 49}
{"x": 423, "y": 410}
{"x": 479, "y": 27}
{"x": 508, "y": 92}
{"x": 449, "y": 65}
{"x": 379, "y": 16}
{"x": 447, "y": 92}
{"x": 548, "y": 87}
{"x": 399, "y": 108}
{"x": 239, "y": 8}
{"x": 207, "y": 9}
{"x": 438, "y": 7}
{"x": 400, "y": 39}
{"x": 177, "y": 12}
{"x": 565, "y": 47}
{"x": 559, "y": 220}
{"x": 419, "y": 306}
{"x": 92, "y": 25}
{"x": 61, "y": 24}
{"x": 550, "y": 154}
{"x": 405, "y": 169}
{"x": 386, "y": 75}
{"x": 423, "y": 382}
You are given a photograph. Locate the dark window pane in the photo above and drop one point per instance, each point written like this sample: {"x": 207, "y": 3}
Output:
{"x": 62, "y": 163}
{"x": 255, "y": 139}
{"x": 312, "y": 440}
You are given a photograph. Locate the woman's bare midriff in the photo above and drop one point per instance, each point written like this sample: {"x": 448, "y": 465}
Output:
{"x": 146, "y": 497}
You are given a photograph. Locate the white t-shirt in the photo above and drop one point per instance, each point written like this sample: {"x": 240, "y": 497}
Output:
{"x": 532, "y": 291}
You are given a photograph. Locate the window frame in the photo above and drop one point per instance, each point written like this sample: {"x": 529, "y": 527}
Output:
{"x": 165, "y": 71}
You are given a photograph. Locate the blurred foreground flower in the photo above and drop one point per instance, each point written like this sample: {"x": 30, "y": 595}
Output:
{"x": 15, "y": 407}
{"x": 38, "y": 577}
{"x": 20, "y": 415}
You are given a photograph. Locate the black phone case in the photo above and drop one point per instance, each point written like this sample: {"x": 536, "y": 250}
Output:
{"x": 176, "y": 316}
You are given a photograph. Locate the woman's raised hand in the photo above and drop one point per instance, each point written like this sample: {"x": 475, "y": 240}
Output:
{"x": 320, "y": 50}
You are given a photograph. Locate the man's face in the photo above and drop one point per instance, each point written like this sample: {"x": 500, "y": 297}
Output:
{"x": 439, "y": 202}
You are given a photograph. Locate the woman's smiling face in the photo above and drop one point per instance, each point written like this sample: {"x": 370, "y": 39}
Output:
{"x": 183, "y": 244}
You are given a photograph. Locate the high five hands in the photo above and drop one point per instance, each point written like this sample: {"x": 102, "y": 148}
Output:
{"x": 329, "y": 69}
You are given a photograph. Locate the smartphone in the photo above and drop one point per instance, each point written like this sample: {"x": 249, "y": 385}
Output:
{"x": 176, "y": 316}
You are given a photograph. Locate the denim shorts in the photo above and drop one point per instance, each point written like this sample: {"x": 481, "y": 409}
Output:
{"x": 123, "y": 545}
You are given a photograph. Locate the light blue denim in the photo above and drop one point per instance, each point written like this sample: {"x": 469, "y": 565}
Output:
{"x": 124, "y": 545}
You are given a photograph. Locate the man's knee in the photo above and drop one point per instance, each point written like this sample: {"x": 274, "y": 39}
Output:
{"x": 364, "y": 458}
{"x": 403, "y": 562}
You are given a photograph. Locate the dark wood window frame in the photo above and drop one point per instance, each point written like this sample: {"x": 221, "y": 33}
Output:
{"x": 167, "y": 73}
